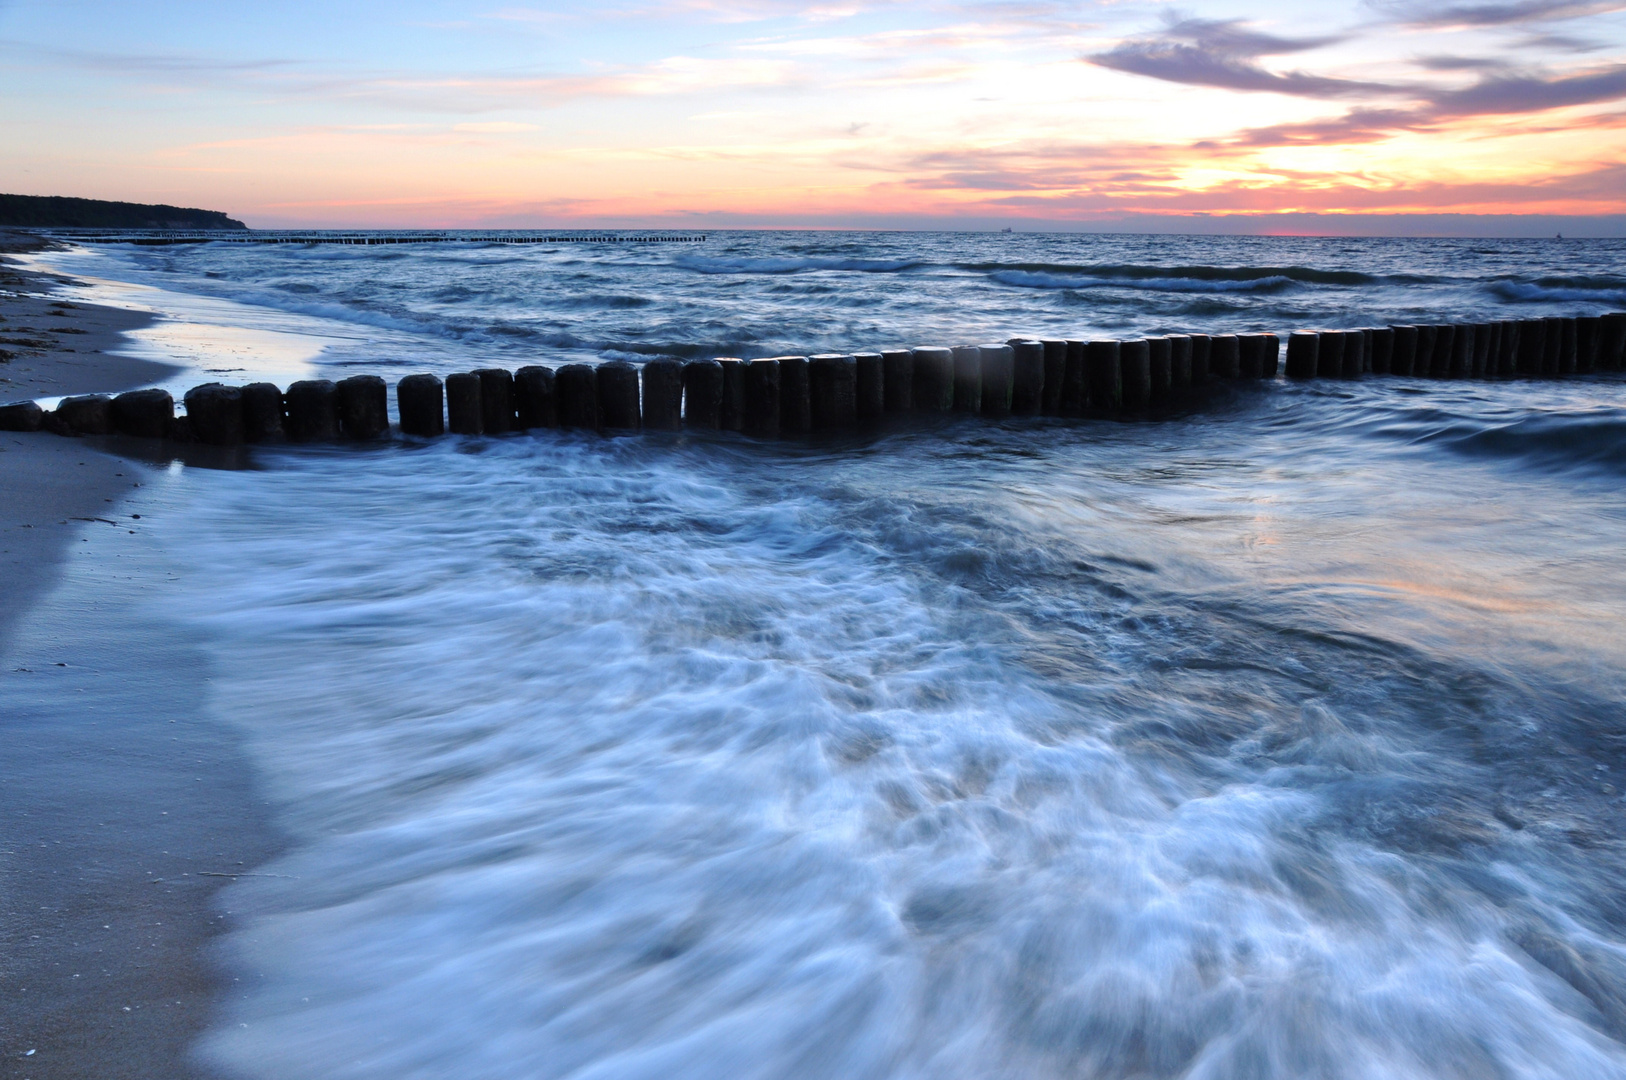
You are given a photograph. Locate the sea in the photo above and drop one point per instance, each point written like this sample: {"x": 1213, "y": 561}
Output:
{"x": 1278, "y": 736}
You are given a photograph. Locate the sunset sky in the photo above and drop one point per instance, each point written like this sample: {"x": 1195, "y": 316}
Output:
{"x": 715, "y": 113}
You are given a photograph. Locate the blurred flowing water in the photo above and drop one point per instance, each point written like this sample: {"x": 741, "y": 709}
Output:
{"x": 1278, "y": 738}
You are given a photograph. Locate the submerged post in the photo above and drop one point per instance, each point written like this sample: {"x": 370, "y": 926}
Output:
{"x": 1028, "y": 377}
{"x": 795, "y": 396}
{"x": 496, "y": 400}
{"x": 1381, "y": 349}
{"x": 618, "y": 395}
{"x": 577, "y": 387}
{"x": 871, "y": 369}
{"x": 215, "y": 412}
{"x": 731, "y": 411}
{"x": 833, "y": 391}
{"x": 421, "y": 401}
{"x": 1055, "y": 374}
{"x": 313, "y": 411}
{"x": 364, "y": 407}
{"x": 898, "y": 379}
{"x": 1135, "y": 367}
{"x": 1104, "y": 375}
{"x": 934, "y": 379}
{"x": 1224, "y": 356}
{"x": 264, "y": 413}
{"x": 997, "y": 365}
{"x": 967, "y": 379}
{"x": 1202, "y": 351}
{"x": 1303, "y": 354}
{"x": 663, "y": 395}
{"x": 1330, "y": 355}
{"x": 763, "y": 409}
{"x": 1180, "y": 363}
{"x": 145, "y": 414}
{"x": 702, "y": 394}
{"x": 1160, "y": 355}
{"x": 536, "y": 397}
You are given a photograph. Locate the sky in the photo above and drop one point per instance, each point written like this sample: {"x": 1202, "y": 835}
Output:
{"x": 1386, "y": 116}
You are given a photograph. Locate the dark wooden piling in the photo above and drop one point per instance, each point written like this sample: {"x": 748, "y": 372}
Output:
{"x": 662, "y": 403}
{"x": 1612, "y": 341}
{"x": 577, "y": 388}
{"x": 1403, "y": 359}
{"x": 496, "y": 400}
{"x": 310, "y": 411}
{"x": 763, "y": 409}
{"x": 967, "y": 379}
{"x": 934, "y": 379}
{"x": 421, "y": 402}
{"x": 146, "y": 414}
{"x": 1354, "y": 354}
{"x": 21, "y": 416}
{"x": 1028, "y": 376}
{"x": 1423, "y": 352}
{"x": 702, "y": 395}
{"x": 1202, "y": 353}
{"x": 1380, "y": 349}
{"x": 364, "y": 407}
{"x": 1507, "y": 359}
{"x": 1055, "y": 374}
{"x": 1303, "y": 354}
{"x": 215, "y": 413}
{"x": 1075, "y": 381}
{"x": 1250, "y": 363}
{"x": 1532, "y": 347}
{"x": 84, "y": 414}
{"x": 1180, "y": 363}
{"x": 1461, "y": 361}
{"x": 1567, "y": 348}
{"x": 1160, "y": 361}
{"x": 871, "y": 367}
{"x": 265, "y": 413}
{"x": 795, "y": 396}
{"x": 1552, "y": 344}
{"x": 1104, "y": 376}
{"x": 618, "y": 407}
{"x": 898, "y": 378}
{"x": 463, "y": 403}
{"x": 997, "y": 376}
{"x": 1272, "y": 357}
{"x": 1224, "y": 356}
{"x": 1586, "y": 343}
{"x": 1135, "y": 371}
{"x": 1445, "y": 341}
{"x": 1484, "y": 334}
{"x": 731, "y": 412}
{"x": 1330, "y": 355}
{"x": 833, "y": 391}
{"x": 536, "y": 398}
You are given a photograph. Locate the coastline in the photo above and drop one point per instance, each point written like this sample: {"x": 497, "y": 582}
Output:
{"x": 121, "y": 798}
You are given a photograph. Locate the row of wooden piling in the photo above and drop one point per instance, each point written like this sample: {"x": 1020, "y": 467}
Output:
{"x": 1531, "y": 348}
{"x": 796, "y": 394}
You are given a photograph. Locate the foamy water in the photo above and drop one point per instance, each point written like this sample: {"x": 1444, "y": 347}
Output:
{"x": 1277, "y": 740}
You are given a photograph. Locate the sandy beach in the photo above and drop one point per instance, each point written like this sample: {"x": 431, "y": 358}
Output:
{"x": 123, "y": 811}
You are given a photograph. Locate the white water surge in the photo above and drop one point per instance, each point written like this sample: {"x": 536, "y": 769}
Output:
{"x": 940, "y": 756}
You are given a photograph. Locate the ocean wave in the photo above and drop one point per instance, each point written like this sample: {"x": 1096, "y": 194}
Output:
{"x": 1591, "y": 290}
{"x": 1556, "y": 442}
{"x": 1138, "y": 273}
{"x": 1024, "y": 279}
{"x": 791, "y": 264}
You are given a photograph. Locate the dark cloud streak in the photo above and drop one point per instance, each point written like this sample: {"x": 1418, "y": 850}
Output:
{"x": 1224, "y": 53}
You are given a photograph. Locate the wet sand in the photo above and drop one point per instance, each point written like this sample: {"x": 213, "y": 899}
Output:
{"x": 123, "y": 807}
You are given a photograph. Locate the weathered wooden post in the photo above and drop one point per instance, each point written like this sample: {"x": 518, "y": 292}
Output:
{"x": 934, "y": 379}
{"x": 1160, "y": 365}
{"x": 215, "y": 412}
{"x": 871, "y": 369}
{"x": 1075, "y": 381}
{"x": 421, "y": 401}
{"x": 1461, "y": 362}
{"x": 364, "y": 407}
{"x": 1272, "y": 356}
{"x": 1303, "y": 354}
{"x": 1483, "y": 334}
{"x": 833, "y": 391}
{"x": 1567, "y": 347}
{"x": 1180, "y": 363}
{"x": 617, "y": 395}
{"x": 1250, "y": 362}
{"x": 731, "y": 413}
{"x": 795, "y": 396}
{"x": 1224, "y": 356}
{"x": 21, "y": 416}
{"x": 1028, "y": 377}
{"x": 313, "y": 411}
{"x": 1612, "y": 338}
{"x": 1532, "y": 346}
{"x": 1507, "y": 360}
{"x": 1586, "y": 343}
{"x": 1104, "y": 370}
{"x": 702, "y": 395}
{"x": 1553, "y": 345}
{"x": 996, "y": 367}
{"x": 496, "y": 400}
{"x": 264, "y": 413}
{"x": 1202, "y": 351}
{"x": 146, "y": 414}
{"x": 91, "y": 414}
{"x": 536, "y": 398}
{"x": 1423, "y": 351}
{"x": 967, "y": 379}
{"x": 898, "y": 377}
{"x": 1330, "y": 355}
{"x": 1135, "y": 370}
{"x": 1055, "y": 374}
{"x": 1354, "y": 354}
{"x": 763, "y": 408}
{"x": 1382, "y": 349}
{"x": 577, "y": 388}
{"x": 663, "y": 395}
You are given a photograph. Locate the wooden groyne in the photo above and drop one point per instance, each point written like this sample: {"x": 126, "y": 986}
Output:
{"x": 168, "y": 237}
{"x": 791, "y": 395}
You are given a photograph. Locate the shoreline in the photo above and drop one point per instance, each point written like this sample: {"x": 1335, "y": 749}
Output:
{"x": 107, "y": 904}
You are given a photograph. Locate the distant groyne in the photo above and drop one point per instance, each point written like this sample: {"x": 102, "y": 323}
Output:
{"x": 172, "y": 237}
{"x": 779, "y": 396}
